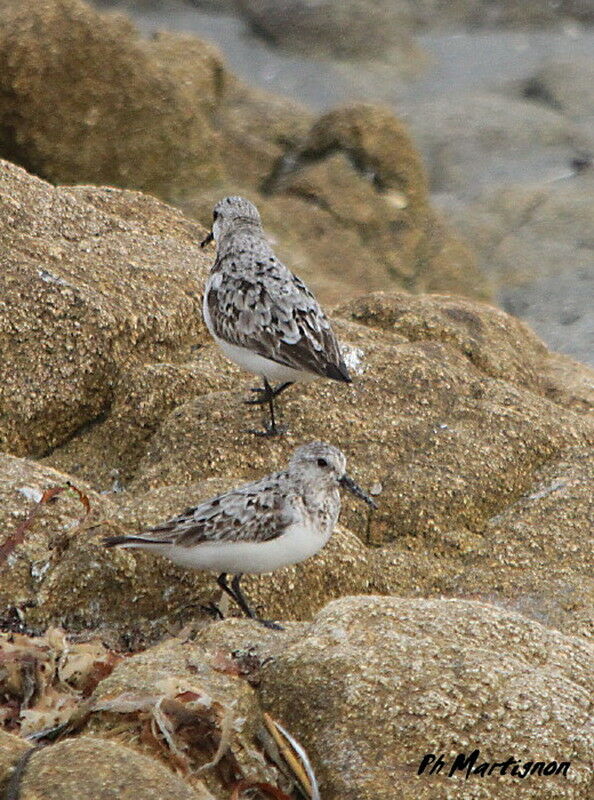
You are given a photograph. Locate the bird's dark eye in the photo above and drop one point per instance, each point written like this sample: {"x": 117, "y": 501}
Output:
{"x": 322, "y": 462}
{"x": 215, "y": 214}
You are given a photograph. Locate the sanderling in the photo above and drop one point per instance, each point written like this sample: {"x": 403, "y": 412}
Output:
{"x": 281, "y": 519}
{"x": 263, "y": 317}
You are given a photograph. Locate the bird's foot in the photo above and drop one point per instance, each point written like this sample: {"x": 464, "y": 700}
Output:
{"x": 213, "y": 610}
{"x": 263, "y": 396}
{"x": 269, "y": 430}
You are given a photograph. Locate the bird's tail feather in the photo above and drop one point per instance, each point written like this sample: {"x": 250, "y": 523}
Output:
{"x": 338, "y": 372}
{"x": 132, "y": 541}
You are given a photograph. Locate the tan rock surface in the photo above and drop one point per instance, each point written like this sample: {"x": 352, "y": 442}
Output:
{"x": 422, "y": 420}
{"x": 84, "y": 102}
{"x": 365, "y": 184}
{"x": 12, "y": 748}
{"x": 166, "y": 116}
{"x": 533, "y": 557}
{"x": 376, "y": 683}
{"x": 95, "y": 769}
{"x": 60, "y": 574}
{"x": 83, "y": 300}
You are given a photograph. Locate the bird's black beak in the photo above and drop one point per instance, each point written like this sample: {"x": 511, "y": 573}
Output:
{"x": 355, "y": 489}
{"x": 208, "y": 239}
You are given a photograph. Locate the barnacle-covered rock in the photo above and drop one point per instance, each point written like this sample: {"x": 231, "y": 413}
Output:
{"x": 377, "y": 683}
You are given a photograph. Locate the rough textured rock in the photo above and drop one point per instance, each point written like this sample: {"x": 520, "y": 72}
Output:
{"x": 532, "y": 557}
{"x": 61, "y": 575}
{"x": 376, "y": 683}
{"x": 468, "y": 142}
{"x": 535, "y": 242}
{"x": 95, "y": 769}
{"x": 357, "y": 181}
{"x": 83, "y": 301}
{"x": 12, "y": 748}
{"x": 430, "y": 416}
{"x": 367, "y": 204}
{"x": 83, "y": 101}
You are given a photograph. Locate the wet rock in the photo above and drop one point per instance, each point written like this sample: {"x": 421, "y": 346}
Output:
{"x": 564, "y": 86}
{"x": 85, "y": 102}
{"x": 83, "y": 301}
{"x": 484, "y": 139}
{"x": 365, "y": 29}
{"x": 95, "y": 769}
{"x": 377, "y": 683}
{"x": 536, "y": 244}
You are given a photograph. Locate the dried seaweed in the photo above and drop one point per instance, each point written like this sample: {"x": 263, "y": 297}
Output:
{"x": 45, "y": 680}
{"x": 265, "y": 788}
{"x": 299, "y": 764}
{"x": 18, "y": 537}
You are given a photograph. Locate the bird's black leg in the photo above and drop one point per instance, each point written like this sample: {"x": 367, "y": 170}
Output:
{"x": 267, "y": 395}
{"x": 244, "y": 605}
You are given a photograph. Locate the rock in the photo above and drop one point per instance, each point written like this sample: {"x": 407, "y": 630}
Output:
{"x": 12, "y": 748}
{"x": 199, "y": 698}
{"x": 376, "y": 683}
{"x": 565, "y": 86}
{"x": 60, "y": 574}
{"x": 256, "y": 130}
{"x": 223, "y": 138}
{"x": 366, "y": 29}
{"x": 95, "y": 769}
{"x": 533, "y": 557}
{"x": 510, "y": 14}
{"x": 535, "y": 243}
{"x": 483, "y": 139}
{"x": 365, "y": 193}
{"x": 85, "y": 102}
{"x": 450, "y": 433}
{"x": 83, "y": 301}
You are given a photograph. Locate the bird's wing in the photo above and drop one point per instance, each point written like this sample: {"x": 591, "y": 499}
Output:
{"x": 255, "y": 512}
{"x": 274, "y": 314}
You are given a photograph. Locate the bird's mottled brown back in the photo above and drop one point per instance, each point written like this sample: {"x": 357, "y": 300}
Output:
{"x": 255, "y": 302}
{"x": 255, "y": 512}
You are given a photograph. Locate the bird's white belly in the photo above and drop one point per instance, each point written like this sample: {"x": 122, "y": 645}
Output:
{"x": 254, "y": 363}
{"x": 258, "y": 365}
{"x": 296, "y": 544}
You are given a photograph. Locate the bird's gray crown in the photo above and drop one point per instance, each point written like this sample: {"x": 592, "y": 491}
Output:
{"x": 318, "y": 458}
{"x": 231, "y": 210}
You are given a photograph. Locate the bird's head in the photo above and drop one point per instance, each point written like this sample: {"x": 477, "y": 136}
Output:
{"x": 229, "y": 213}
{"x": 325, "y": 466}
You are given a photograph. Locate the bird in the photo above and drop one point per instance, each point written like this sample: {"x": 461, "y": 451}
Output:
{"x": 262, "y": 316}
{"x": 256, "y": 528}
